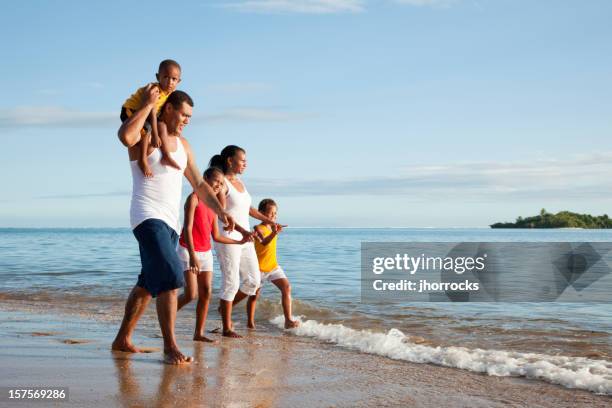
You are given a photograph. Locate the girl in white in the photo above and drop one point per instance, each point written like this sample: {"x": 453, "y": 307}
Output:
{"x": 238, "y": 263}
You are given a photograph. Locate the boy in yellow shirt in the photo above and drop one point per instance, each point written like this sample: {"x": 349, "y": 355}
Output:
{"x": 270, "y": 270}
{"x": 168, "y": 77}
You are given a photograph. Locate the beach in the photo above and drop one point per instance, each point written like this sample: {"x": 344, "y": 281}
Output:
{"x": 60, "y": 314}
{"x": 268, "y": 368}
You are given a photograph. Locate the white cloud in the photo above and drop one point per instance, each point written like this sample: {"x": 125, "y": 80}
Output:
{"x": 575, "y": 178}
{"x": 55, "y": 116}
{"x": 59, "y": 117}
{"x": 298, "y": 6}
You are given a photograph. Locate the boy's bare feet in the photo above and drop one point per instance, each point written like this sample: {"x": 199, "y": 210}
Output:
{"x": 199, "y": 337}
{"x": 144, "y": 167}
{"x": 175, "y": 357}
{"x": 291, "y": 324}
{"x": 169, "y": 161}
{"x": 232, "y": 334}
{"x": 125, "y": 346}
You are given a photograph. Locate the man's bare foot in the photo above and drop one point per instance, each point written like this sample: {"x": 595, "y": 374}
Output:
{"x": 232, "y": 334}
{"x": 175, "y": 357}
{"x": 291, "y": 324}
{"x": 125, "y": 346}
{"x": 202, "y": 338}
{"x": 251, "y": 325}
{"x": 144, "y": 167}
{"x": 169, "y": 161}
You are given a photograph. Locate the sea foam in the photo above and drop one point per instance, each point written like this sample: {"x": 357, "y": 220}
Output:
{"x": 571, "y": 372}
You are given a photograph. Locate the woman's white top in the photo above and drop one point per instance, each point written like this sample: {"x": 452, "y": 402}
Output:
{"x": 237, "y": 205}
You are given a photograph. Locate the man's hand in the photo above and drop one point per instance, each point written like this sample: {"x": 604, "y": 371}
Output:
{"x": 194, "y": 264}
{"x": 155, "y": 140}
{"x": 228, "y": 222}
{"x": 151, "y": 94}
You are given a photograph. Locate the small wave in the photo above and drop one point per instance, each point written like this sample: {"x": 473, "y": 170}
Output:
{"x": 571, "y": 372}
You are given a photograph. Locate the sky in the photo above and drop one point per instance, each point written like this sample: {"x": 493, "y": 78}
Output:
{"x": 353, "y": 113}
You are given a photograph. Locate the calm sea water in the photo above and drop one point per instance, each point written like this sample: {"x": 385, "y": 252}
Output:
{"x": 97, "y": 267}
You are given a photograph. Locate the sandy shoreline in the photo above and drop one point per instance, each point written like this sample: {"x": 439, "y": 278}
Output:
{"x": 267, "y": 368}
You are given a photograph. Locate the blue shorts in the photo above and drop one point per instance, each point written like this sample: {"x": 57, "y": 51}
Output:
{"x": 162, "y": 268}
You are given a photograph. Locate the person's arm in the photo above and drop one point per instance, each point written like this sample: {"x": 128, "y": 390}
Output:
{"x": 259, "y": 216}
{"x": 203, "y": 190}
{"x": 270, "y": 237}
{"x": 190, "y": 206}
{"x": 226, "y": 240}
{"x": 129, "y": 131}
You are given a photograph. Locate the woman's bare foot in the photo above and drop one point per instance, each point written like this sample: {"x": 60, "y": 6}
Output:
{"x": 291, "y": 324}
{"x": 125, "y": 346}
{"x": 169, "y": 161}
{"x": 144, "y": 167}
{"x": 202, "y": 338}
{"x": 175, "y": 357}
{"x": 232, "y": 334}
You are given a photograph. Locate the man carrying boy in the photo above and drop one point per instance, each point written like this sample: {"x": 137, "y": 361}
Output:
{"x": 154, "y": 216}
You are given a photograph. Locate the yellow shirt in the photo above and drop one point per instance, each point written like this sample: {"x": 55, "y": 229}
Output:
{"x": 134, "y": 102}
{"x": 266, "y": 254}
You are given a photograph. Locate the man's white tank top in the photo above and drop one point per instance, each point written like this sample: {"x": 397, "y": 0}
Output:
{"x": 158, "y": 196}
{"x": 237, "y": 205}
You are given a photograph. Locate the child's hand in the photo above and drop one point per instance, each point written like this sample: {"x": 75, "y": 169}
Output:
{"x": 194, "y": 264}
{"x": 277, "y": 228}
{"x": 246, "y": 237}
{"x": 151, "y": 94}
{"x": 258, "y": 235}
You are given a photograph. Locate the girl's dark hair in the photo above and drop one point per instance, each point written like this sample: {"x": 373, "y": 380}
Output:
{"x": 220, "y": 160}
{"x": 265, "y": 203}
{"x": 209, "y": 172}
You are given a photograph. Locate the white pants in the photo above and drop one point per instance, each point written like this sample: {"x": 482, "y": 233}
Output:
{"x": 239, "y": 269}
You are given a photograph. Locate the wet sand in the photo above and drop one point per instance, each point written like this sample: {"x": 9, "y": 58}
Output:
{"x": 268, "y": 368}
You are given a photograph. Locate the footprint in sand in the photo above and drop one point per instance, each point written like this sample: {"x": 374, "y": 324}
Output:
{"x": 42, "y": 334}
{"x": 75, "y": 341}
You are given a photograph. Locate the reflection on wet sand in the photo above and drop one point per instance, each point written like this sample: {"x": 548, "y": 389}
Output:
{"x": 231, "y": 373}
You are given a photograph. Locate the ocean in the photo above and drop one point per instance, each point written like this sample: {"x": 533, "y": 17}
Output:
{"x": 92, "y": 270}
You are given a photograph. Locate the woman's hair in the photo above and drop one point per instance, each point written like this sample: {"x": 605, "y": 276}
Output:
{"x": 210, "y": 172}
{"x": 265, "y": 203}
{"x": 220, "y": 160}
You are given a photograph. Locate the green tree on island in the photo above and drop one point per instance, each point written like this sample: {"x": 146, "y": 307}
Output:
{"x": 562, "y": 219}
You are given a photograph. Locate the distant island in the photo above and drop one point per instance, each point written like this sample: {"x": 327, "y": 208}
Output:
{"x": 562, "y": 219}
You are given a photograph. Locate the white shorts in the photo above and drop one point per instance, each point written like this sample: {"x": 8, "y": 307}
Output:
{"x": 205, "y": 258}
{"x": 239, "y": 269}
{"x": 274, "y": 274}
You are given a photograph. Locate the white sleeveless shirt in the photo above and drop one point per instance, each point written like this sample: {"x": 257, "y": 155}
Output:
{"x": 237, "y": 205}
{"x": 158, "y": 196}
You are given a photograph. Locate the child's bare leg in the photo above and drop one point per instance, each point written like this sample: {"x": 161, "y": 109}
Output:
{"x": 250, "y": 308}
{"x": 285, "y": 288}
{"x": 190, "y": 292}
{"x": 155, "y": 137}
{"x": 166, "y": 158}
{"x": 204, "y": 295}
{"x": 226, "y": 315}
{"x": 239, "y": 297}
{"x": 142, "y": 159}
